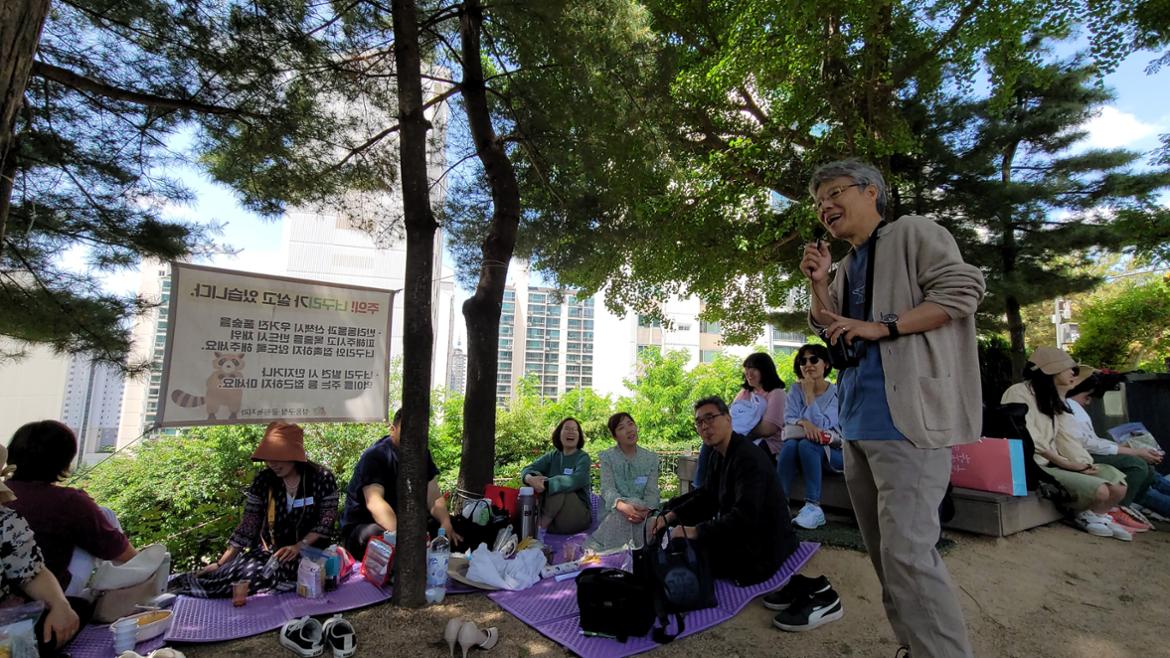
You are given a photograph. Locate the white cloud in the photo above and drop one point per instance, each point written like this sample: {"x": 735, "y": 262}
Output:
{"x": 1112, "y": 128}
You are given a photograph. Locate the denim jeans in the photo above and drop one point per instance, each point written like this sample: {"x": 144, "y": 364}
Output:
{"x": 1157, "y": 497}
{"x": 808, "y": 458}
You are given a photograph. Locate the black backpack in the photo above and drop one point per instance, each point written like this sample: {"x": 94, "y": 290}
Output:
{"x": 679, "y": 578}
{"x": 614, "y": 603}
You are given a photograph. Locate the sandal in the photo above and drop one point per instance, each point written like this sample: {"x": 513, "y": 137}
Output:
{"x": 303, "y": 637}
{"x": 471, "y": 635}
{"x": 340, "y": 636}
{"x": 451, "y": 633}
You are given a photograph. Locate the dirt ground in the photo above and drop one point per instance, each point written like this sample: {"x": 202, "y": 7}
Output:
{"x": 1051, "y": 591}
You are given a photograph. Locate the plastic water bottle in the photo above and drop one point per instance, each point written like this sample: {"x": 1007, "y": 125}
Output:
{"x": 438, "y": 554}
{"x": 527, "y": 502}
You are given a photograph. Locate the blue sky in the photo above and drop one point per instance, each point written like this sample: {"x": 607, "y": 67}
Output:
{"x": 1134, "y": 120}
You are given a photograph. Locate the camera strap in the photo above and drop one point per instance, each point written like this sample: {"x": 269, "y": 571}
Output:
{"x": 868, "y": 309}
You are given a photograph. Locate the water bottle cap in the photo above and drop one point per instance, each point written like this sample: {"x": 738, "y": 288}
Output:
{"x": 442, "y": 532}
{"x": 527, "y": 491}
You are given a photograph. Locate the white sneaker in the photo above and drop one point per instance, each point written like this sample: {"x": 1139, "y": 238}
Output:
{"x": 1115, "y": 529}
{"x": 810, "y": 517}
{"x": 1092, "y": 524}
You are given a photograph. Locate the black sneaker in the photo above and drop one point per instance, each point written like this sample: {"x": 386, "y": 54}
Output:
{"x": 817, "y": 610}
{"x": 798, "y": 587}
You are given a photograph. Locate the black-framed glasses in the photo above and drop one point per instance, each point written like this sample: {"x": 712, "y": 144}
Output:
{"x": 1076, "y": 370}
{"x": 701, "y": 421}
{"x": 834, "y": 193}
{"x": 810, "y": 360}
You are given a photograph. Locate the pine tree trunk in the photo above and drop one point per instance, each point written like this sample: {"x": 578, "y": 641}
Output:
{"x": 21, "y": 22}
{"x": 482, "y": 310}
{"x": 1015, "y": 323}
{"x": 1009, "y": 251}
{"x": 417, "y": 339}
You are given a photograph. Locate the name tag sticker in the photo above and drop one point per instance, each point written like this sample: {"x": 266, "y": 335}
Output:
{"x": 301, "y": 502}
{"x": 640, "y": 480}
{"x": 568, "y": 471}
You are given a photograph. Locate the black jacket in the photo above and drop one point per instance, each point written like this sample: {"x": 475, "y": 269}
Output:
{"x": 740, "y": 513}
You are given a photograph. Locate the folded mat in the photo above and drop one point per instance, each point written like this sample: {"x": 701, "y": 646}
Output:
{"x": 217, "y": 620}
{"x": 551, "y": 608}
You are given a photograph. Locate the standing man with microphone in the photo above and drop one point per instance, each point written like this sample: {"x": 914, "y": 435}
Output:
{"x": 904, "y": 301}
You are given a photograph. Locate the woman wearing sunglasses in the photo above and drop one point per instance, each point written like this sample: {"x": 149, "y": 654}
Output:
{"x": 812, "y": 438}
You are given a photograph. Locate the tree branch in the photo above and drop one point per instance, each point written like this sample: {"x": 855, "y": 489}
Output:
{"x": 82, "y": 83}
{"x": 911, "y": 65}
{"x": 392, "y": 129}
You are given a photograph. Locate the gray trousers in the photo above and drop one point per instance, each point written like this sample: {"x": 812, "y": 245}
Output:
{"x": 896, "y": 490}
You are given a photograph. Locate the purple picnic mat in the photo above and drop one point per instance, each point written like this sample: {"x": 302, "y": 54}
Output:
{"x": 551, "y": 608}
{"x": 98, "y": 642}
{"x": 217, "y": 620}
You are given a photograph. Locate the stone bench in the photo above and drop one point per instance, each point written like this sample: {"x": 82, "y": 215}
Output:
{"x": 978, "y": 512}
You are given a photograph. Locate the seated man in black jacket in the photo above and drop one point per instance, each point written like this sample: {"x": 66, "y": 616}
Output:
{"x": 738, "y": 514}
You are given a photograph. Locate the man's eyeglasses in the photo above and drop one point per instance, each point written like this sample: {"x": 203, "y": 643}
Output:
{"x": 809, "y": 360}
{"x": 702, "y": 421}
{"x": 834, "y": 193}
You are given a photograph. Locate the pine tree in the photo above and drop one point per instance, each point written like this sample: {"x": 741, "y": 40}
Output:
{"x": 1025, "y": 202}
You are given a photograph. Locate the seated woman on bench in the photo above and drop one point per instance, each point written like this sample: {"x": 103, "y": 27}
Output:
{"x": 1095, "y": 488}
{"x": 560, "y": 478}
{"x": 812, "y": 433}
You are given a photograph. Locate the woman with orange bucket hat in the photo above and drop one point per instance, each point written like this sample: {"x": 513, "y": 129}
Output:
{"x": 291, "y": 505}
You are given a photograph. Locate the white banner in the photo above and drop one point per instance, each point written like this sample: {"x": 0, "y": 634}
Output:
{"x": 251, "y": 348}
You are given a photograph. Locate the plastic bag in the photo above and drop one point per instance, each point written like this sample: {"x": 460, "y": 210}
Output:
{"x": 520, "y": 572}
{"x": 18, "y": 635}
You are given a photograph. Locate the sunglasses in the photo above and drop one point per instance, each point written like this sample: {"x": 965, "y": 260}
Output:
{"x": 808, "y": 360}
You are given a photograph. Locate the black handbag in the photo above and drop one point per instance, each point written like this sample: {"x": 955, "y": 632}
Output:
{"x": 614, "y": 603}
{"x": 679, "y": 577}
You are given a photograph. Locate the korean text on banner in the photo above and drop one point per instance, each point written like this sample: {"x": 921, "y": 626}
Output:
{"x": 995, "y": 465}
{"x": 251, "y": 348}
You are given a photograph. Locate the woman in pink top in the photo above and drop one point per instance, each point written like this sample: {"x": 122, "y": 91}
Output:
{"x": 761, "y": 380}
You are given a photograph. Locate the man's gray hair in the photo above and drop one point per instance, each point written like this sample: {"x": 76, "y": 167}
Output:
{"x": 857, "y": 171}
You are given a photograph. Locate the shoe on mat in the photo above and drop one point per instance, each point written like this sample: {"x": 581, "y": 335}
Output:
{"x": 797, "y": 588}
{"x": 810, "y": 517}
{"x": 339, "y": 636}
{"x": 1125, "y": 521}
{"x": 303, "y": 636}
{"x": 1092, "y": 524}
{"x": 816, "y": 610}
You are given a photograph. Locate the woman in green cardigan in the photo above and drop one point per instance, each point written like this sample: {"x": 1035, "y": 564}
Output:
{"x": 561, "y": 478}
{"x": 629, "y": 489}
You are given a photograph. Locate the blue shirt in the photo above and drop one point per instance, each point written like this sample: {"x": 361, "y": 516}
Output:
{"x": 865, "y": 412}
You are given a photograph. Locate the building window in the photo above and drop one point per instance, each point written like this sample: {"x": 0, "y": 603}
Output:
{"x": 647, "y": 321}
{"x": 709, "y": 327}
{"x": 707, "y": 356}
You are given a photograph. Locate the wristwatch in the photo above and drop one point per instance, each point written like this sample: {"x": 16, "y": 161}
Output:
{"x": 891, "y": 322}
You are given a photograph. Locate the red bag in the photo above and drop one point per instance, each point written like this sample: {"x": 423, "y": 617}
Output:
{"x": 504, "y": 497}
{"x": 995, "y": 465}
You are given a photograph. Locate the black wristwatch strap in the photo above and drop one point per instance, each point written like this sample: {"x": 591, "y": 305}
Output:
{"x": 892, "y": 325}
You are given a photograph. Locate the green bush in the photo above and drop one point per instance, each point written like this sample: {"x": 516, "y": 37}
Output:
{"x": 186, "y": 490}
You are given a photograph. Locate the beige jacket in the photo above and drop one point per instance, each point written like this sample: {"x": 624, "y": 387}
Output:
{"x": 932, "y": 379}
{"x": 1048, "y": 434}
